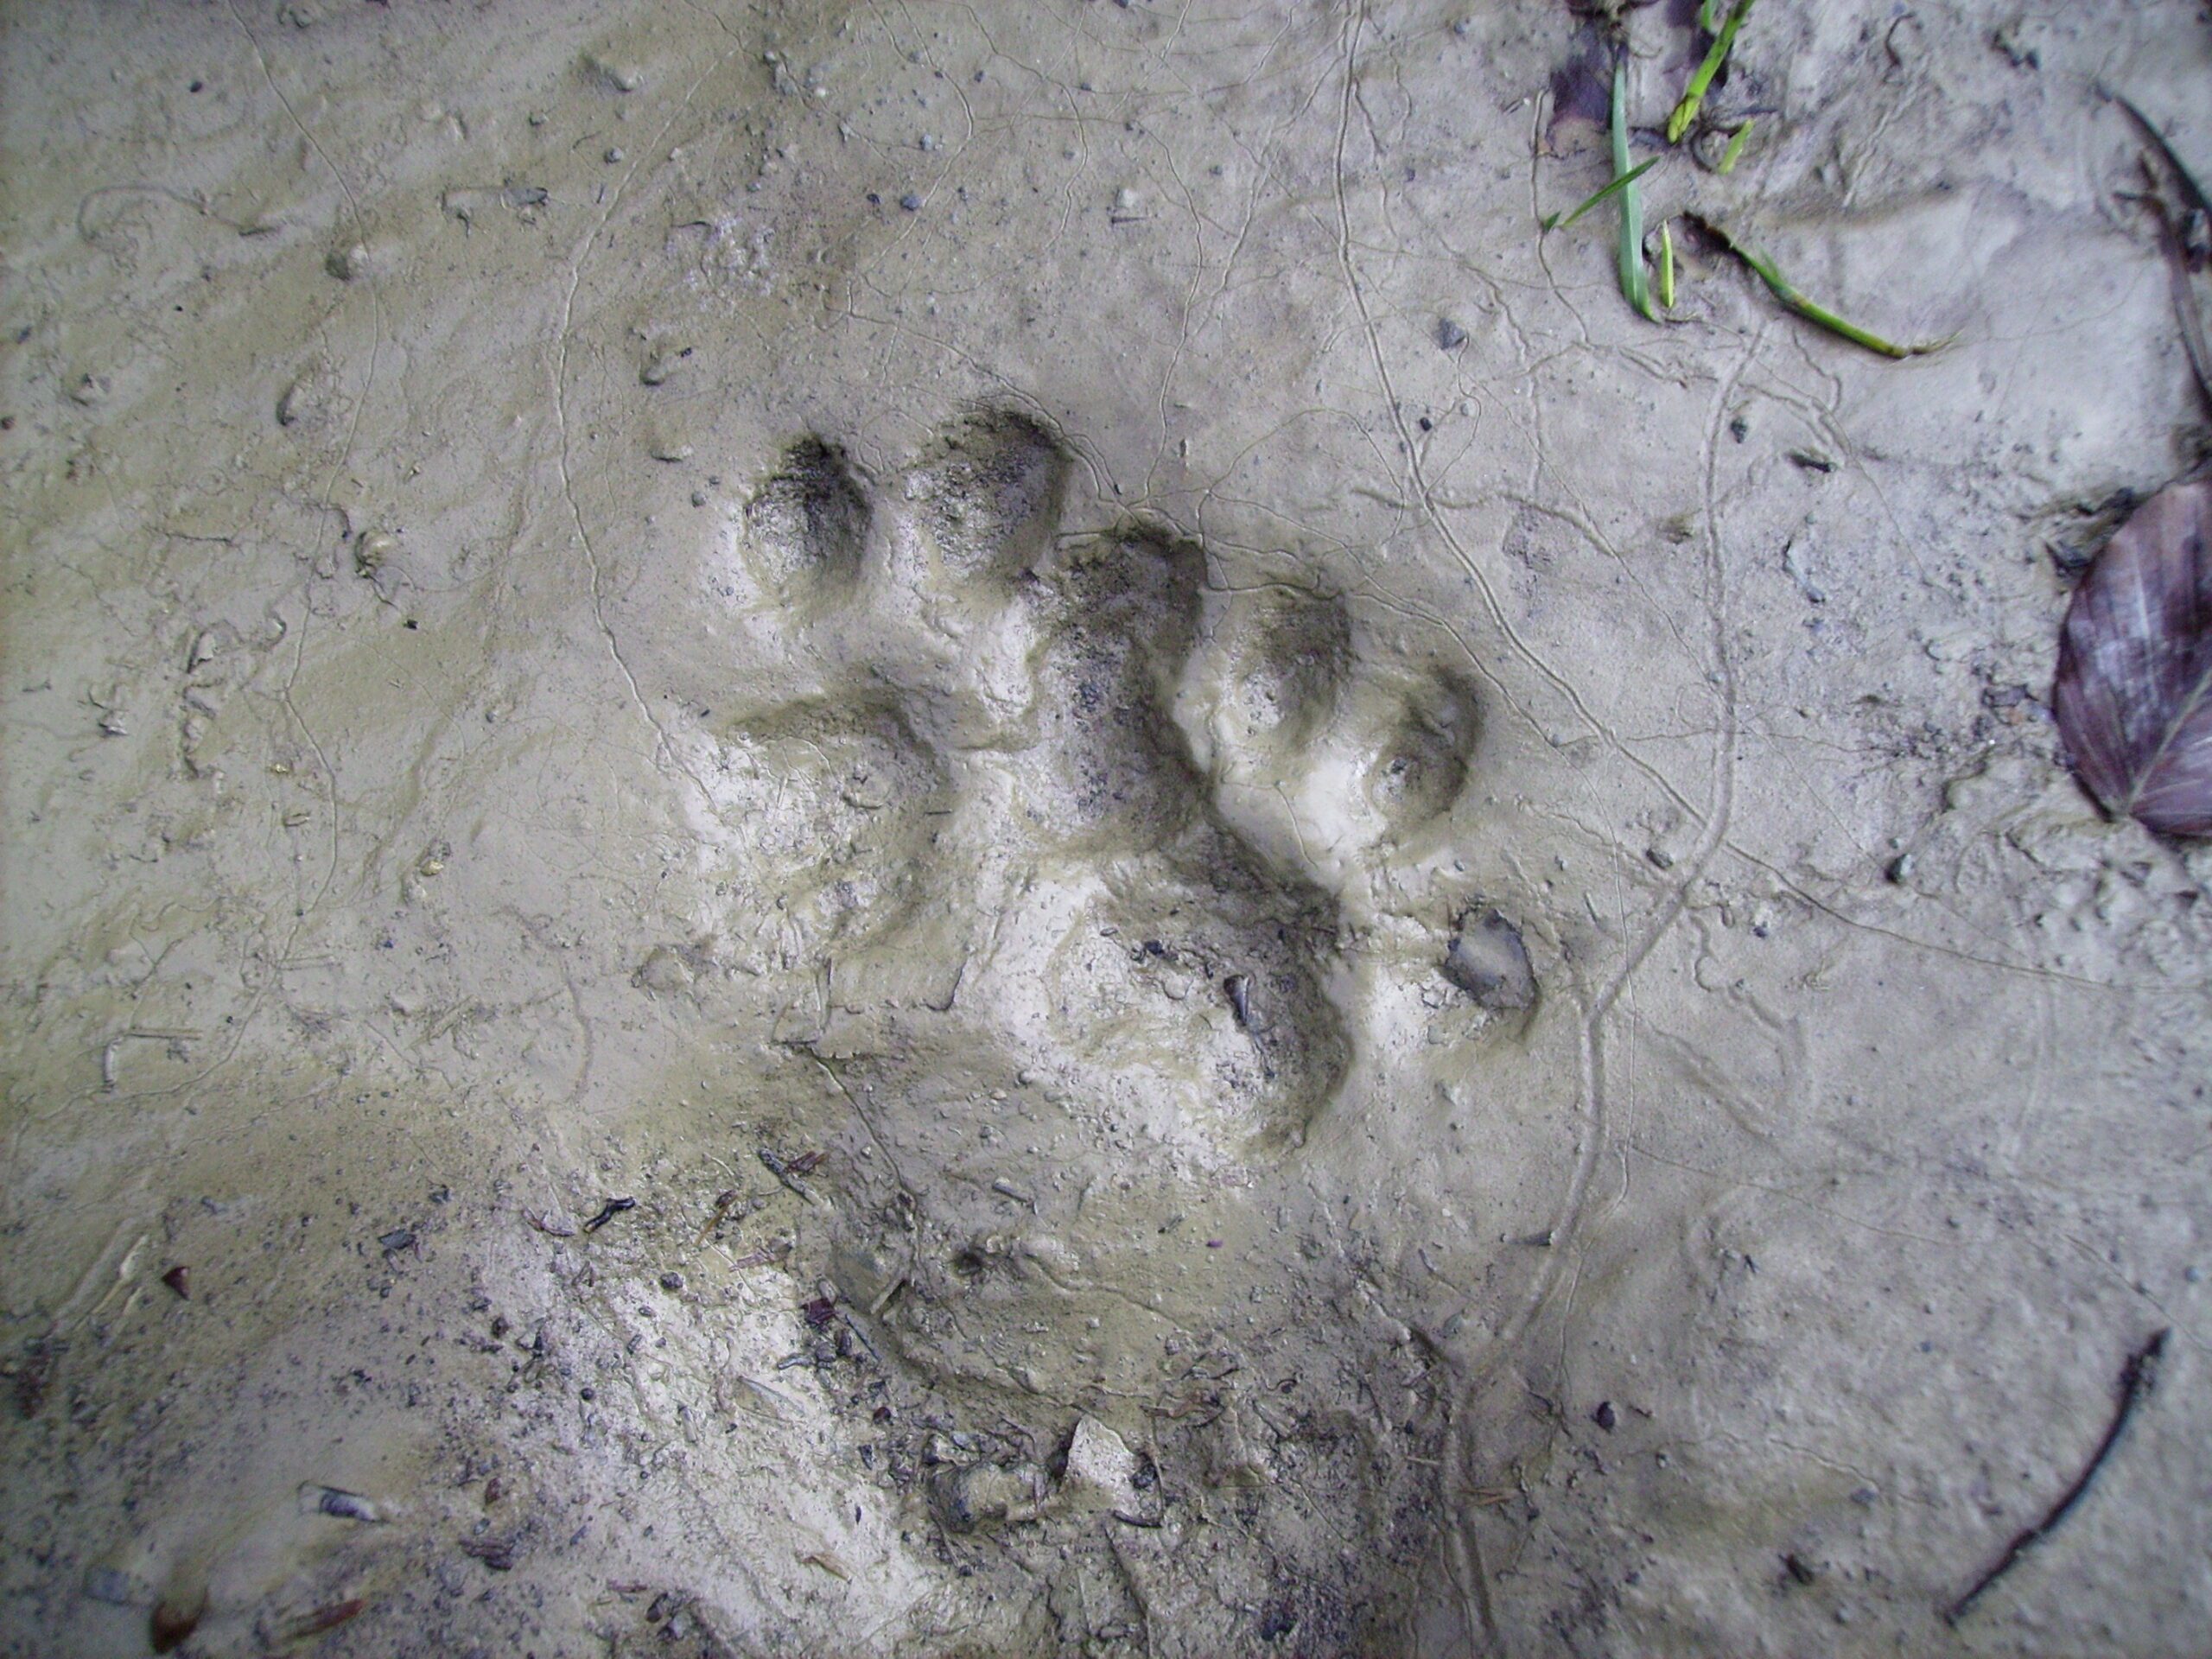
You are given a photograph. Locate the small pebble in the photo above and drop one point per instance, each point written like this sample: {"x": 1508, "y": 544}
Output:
{"x": 622, "y": 77}
{"x": 1450, "y": 336}
{"x": 911, "y": 202}
{"x": 614, "y": 154}
{"x": 105, "y": 1584}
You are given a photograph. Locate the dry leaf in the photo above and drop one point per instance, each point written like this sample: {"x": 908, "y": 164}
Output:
{"x": 2134, "y": 690}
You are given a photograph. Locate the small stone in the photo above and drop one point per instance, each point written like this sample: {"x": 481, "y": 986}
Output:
{"x": 619, "y": 76}
{"x": 298, "y": 401}
{"x": 671, "y": 1280}
{"x": 1899, "y": 870}
{"x": 1487, "y": 960}
{"x": 987, "y": 1494}
{"x": 348, "y": 263}
{"x": 1450, "y": 336}
{"x": 1101, "y": 1471}
{"x": 614, "y": 154}
{"x": 664, "y": 971}
{"x": 337, "y": 1503}
{"x": 1605, "y": 1417}
{"x": 911, "y": 202}
{"x": 106, "y": 1583}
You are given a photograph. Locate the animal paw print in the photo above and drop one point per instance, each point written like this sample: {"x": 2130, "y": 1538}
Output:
{"x": 1018, "y": 796}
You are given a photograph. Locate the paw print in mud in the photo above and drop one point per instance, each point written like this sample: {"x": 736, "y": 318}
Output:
{"x": 1001, "y": 793}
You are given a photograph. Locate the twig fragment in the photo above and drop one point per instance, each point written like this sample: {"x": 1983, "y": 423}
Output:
{"x": 2169, "y": 174}
{"x": 607, "y": 1211}
{"x": 2137, "y": 1378}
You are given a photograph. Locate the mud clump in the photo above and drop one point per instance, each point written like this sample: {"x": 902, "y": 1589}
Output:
{"x": 1487, "y": 960}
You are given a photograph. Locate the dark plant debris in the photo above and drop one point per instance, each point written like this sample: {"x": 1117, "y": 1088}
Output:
{"x": 2137, "y": 1378}
{"x": 607, "y": 1211}
{"x": 2133, "y": 693}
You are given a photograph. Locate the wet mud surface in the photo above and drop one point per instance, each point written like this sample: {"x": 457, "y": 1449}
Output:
{"x": 971, "y": 831}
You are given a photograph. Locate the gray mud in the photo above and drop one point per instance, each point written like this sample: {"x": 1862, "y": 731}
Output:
{"x": 1293, "y": 941}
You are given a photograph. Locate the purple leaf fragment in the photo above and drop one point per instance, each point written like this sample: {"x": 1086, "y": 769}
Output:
{"x": 2133, "y": 695}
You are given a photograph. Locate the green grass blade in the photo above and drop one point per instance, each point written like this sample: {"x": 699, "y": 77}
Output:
{"x": 1737, "y": 140}
{"x": 1784, "y": 291}
{"x": 1694, "y": 94}
{"x": 1561, "y": 221}
{"x": 1666, "y": 266}
{"x": 1635, "y": 284}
